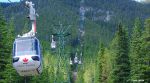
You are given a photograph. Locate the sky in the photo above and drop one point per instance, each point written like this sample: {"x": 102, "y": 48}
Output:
{"x": 139, "y": 0}
{"x": 9, "y": 0}
{"x": 146, "y": 1}
{"x": 19, "y": 0}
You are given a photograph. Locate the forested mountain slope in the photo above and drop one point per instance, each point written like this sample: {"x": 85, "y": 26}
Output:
{"x": 102, "y": 18}
{"x": 122, "y": 57}
{"x": 102, "y": 15}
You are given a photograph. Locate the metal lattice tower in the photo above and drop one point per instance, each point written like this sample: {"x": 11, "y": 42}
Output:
{"x": 61, "y": 33}
{"x": 81, "y": 29}
{"x": 77, "y": 59}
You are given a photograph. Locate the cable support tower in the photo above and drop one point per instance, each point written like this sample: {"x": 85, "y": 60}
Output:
{"x": 77, "y": 58}
{"x": 58, "y": 43}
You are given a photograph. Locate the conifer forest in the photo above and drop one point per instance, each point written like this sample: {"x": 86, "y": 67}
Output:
{"x": 75, "y": 41}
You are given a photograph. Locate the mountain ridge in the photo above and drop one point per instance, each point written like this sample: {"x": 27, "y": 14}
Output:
{"x": 104, "y": 14}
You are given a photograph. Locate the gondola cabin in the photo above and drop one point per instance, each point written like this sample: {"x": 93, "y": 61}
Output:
{"x": 27, "y": 57}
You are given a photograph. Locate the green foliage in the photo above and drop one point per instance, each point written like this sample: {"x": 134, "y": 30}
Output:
{"x": 10, "y": 73}
{"x": 135, "y": 46}
{"x": 121, "y": 68}
{"x": 3, "y": 47}
{"x": 25, "y": 28}
{"x": 101, "y": 63}
{"x": 145, "y": 53}
{"x": 104, "y": 63}
{"x": 140, "y": 53}
{"x": 110, "y": 65}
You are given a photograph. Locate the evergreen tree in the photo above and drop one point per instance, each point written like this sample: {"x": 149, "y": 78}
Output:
{"x": 44, "y": 77}
{"x": 134, "y": 50}
{"x": 121, "y": 68}
{"x": 101, "y": 62}
{"x": 104, "y": 65}
{"x": 10, "y": 73}
{"x": 3, "y": 48}
{"x": 25, "y": 28}
{"x": 145, "y": 53}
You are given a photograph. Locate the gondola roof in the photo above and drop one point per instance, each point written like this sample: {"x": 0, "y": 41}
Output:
{"x": 24, "y": 38}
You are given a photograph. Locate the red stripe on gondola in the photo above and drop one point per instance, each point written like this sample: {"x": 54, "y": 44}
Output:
{"x": 34, "y": 26}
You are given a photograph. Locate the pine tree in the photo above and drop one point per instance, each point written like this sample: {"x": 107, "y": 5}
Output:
{"x": 121, "y": 68}
{"x": 10, "y": 73}
{"x": 145, "y": 53}
{"x": 3, "y": 47}
{"x": 101, "y": 62}
{"x": 134, "y": 50}
{"x": 25, "y": 28}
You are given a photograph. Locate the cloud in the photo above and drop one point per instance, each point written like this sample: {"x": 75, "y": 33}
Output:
{"x": 148, "y": 1}
{"x": 9, "y": 0}
{"x": 143, "y": 1}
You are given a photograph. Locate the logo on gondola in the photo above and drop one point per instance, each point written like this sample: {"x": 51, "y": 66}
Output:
{"x": 25, "y": 60}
